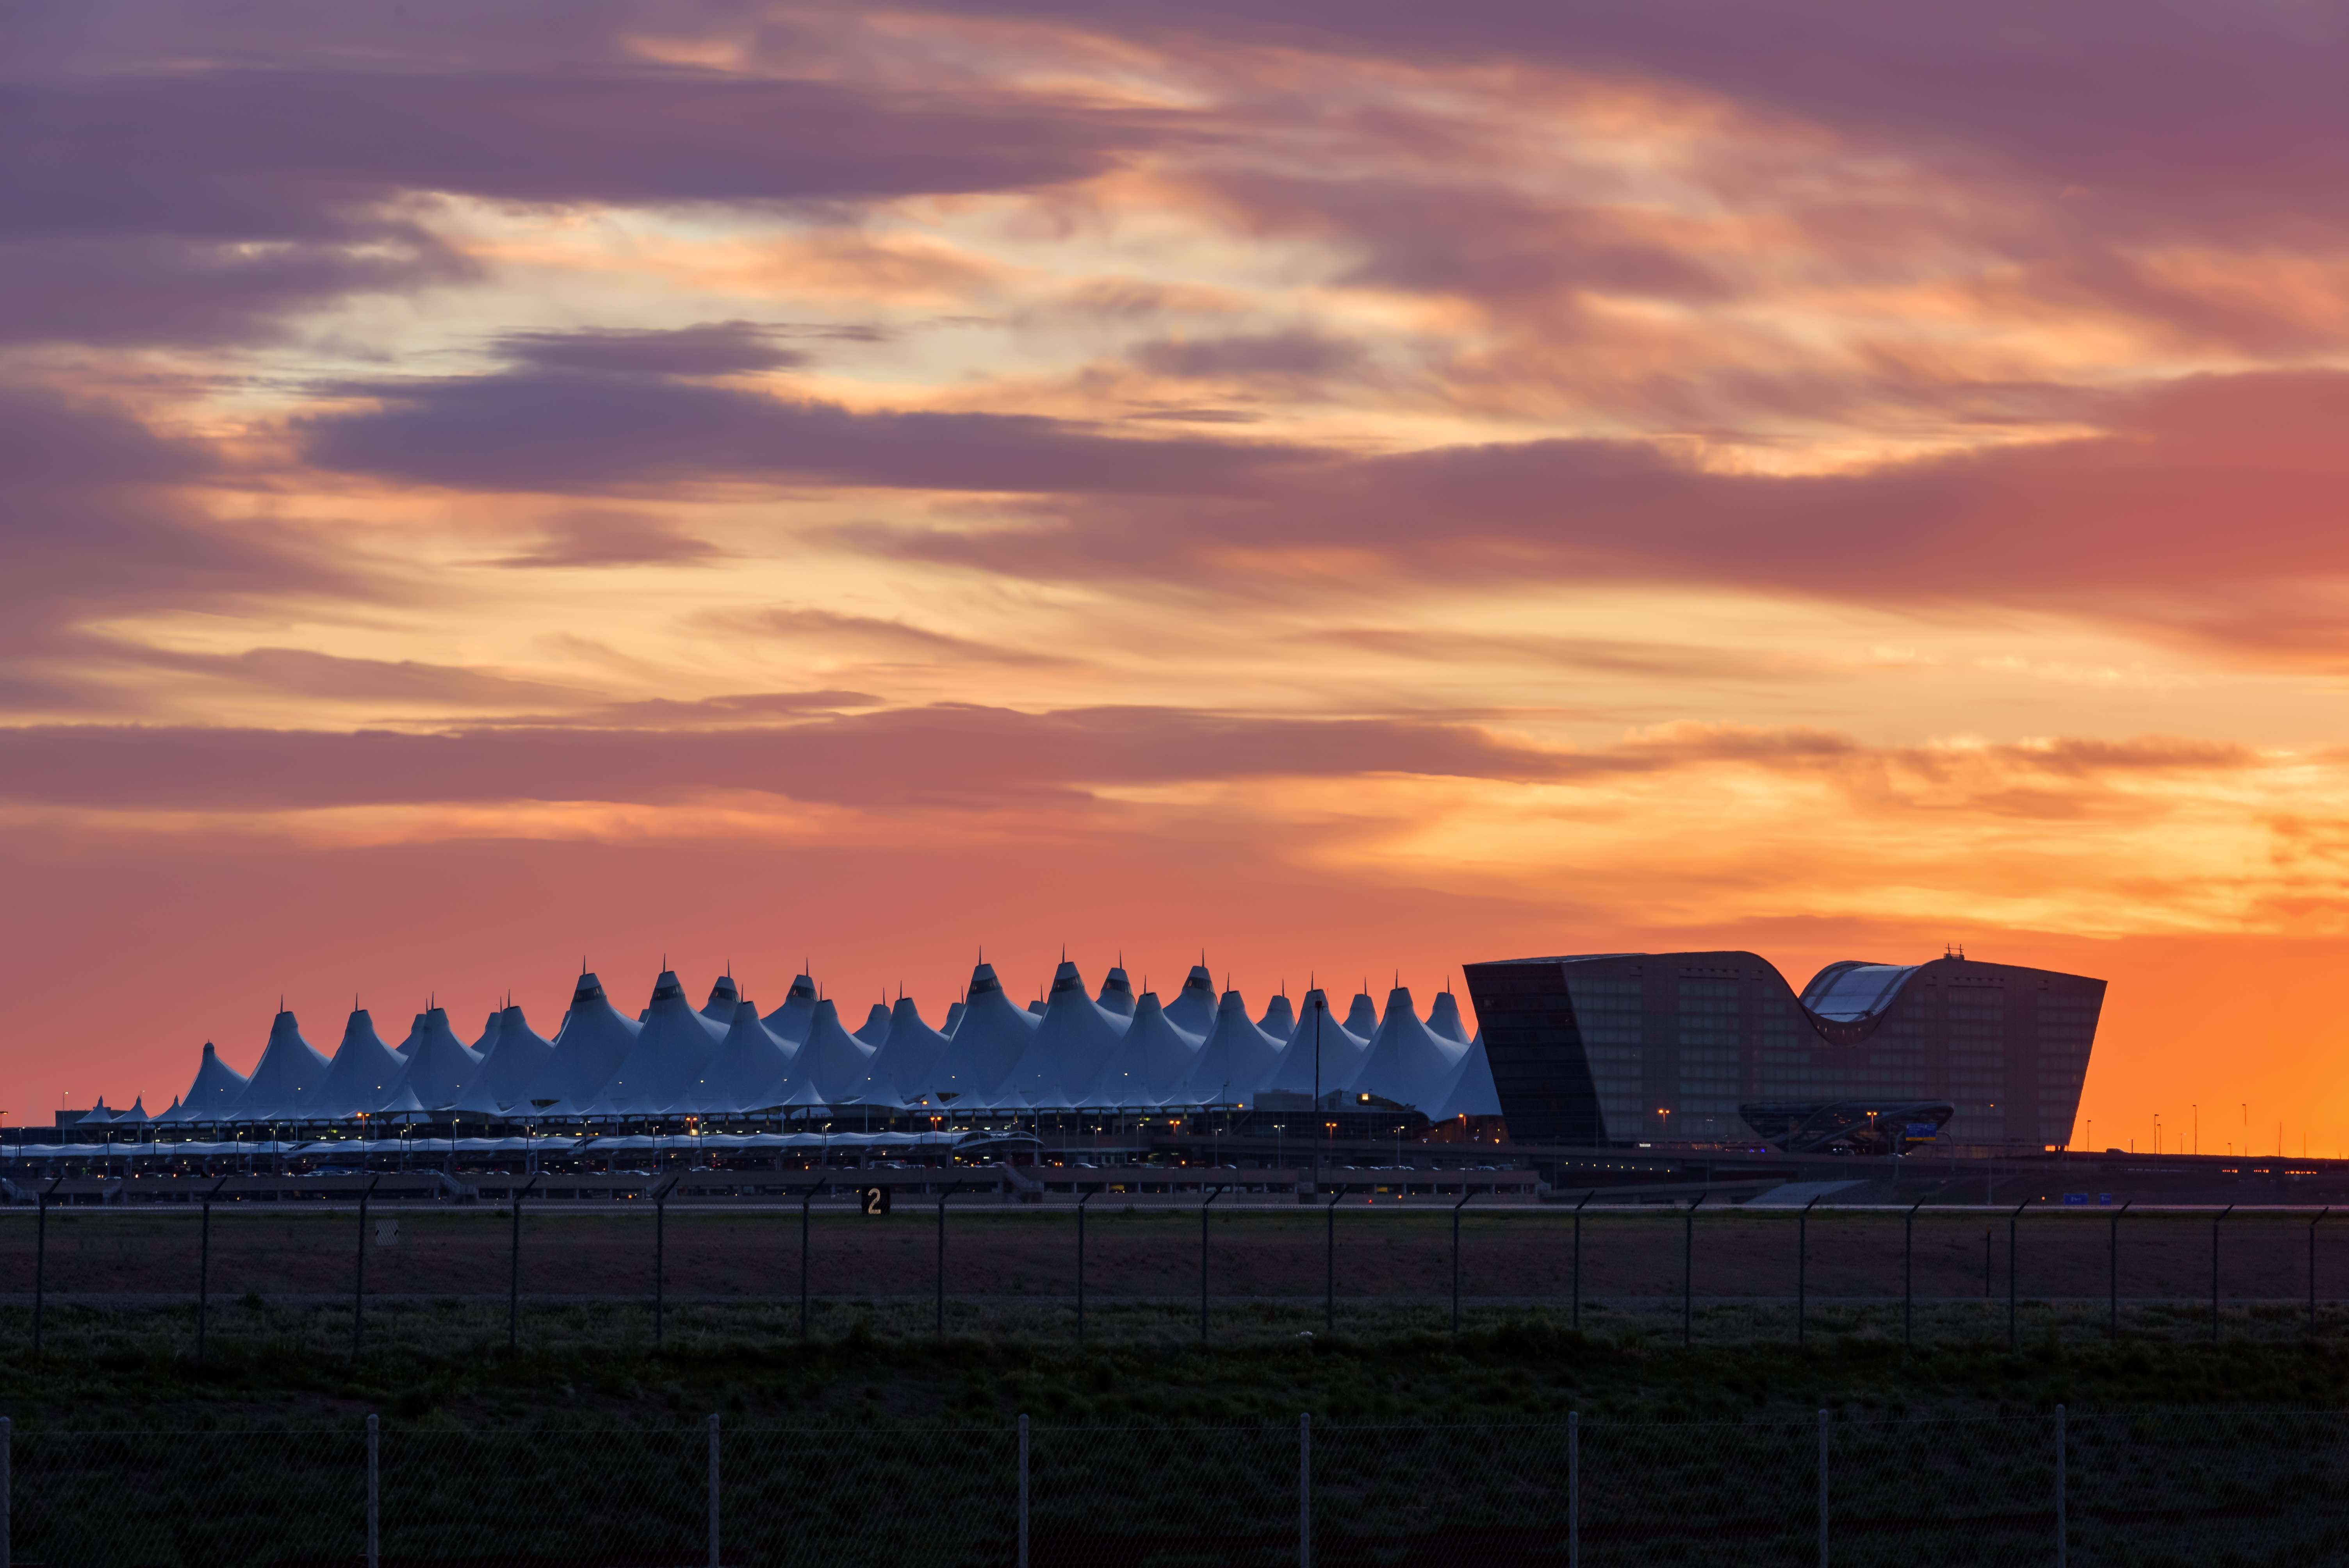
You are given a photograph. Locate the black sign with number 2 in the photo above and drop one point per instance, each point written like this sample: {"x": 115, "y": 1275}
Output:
{"x": 873, "y": 1199}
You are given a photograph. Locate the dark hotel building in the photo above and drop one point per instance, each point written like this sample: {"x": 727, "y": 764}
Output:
{"x": 1628, "y": 1048}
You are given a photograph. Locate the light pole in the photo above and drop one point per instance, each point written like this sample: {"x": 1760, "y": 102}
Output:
{"x": 1320, "y": 1004}
{"x": 2198, "y": 1128}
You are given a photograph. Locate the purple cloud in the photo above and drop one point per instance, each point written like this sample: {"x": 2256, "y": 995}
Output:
{"x": 576, "y": 434}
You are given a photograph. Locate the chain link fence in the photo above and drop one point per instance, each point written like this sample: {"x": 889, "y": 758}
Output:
{"x": 563, "y": 1283}
{"x": 2139, "y": 1488}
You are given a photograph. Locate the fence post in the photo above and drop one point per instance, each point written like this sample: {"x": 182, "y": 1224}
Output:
{"x": 2312, "y": 1272}
{"x": 514, "y": 1274}
{"x": 1803, "y": 1272}
{"x": 1909, "y": 1277}
{"x": 2214, "y": 1271}
{"x": 2011, "y": 1220}
{"x": 358, "y": 1274}
{"x": 7, "y": 1490}
{"x": 1574, "y": 1488}
{"x": 807, "y": 1198}
{"x": 1330, "y": 1263}
{"x": 374, "y": 1541}
{"x": 203, "y": 1275}
{"x": 1304, "y": 1490}
{"x": 1688, "y": 1273}
{"x": 2063, "y": 1534}
{"x": 2113, "y": 1266}
{"x": 1578, "y": 1258}
{"x": 660, "y": 1266}
{"x": 950, "y": 1191}
{"x": 1823, "y": 1489}
{"x": 1203, "y": 1260}
{"x": 713, "y": 1490}
{"x": 41, "y": 1259}
{"x": 1023, "y": 1491}
{"x": 1081, "y": 1261}
{"x": 1455, "y": 1258}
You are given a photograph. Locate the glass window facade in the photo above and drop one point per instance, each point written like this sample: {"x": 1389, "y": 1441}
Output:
{"x": 1628, "y": 1048}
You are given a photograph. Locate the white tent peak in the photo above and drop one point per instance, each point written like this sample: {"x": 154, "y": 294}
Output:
{"x": 1444, "y": 1017}
{"x": 286, "y": 1080}
{"x": 1408, "y": 1063}
{"x": 1236, "y": 1060}
{"x": 364, "y": 1070}
{"x": 516, "y": 1055}
{"x": 748, "y": 1071}
{"x": 1280, "y": 1020}
{"x": 723, "y": 994}
{"x": 1194, "y": 1008}
{"x": 439, "y": 1067}
{"x": 790, "y": 1021}
{"x": 1152, "y": 1062}
{"x": 1117, "y": 991}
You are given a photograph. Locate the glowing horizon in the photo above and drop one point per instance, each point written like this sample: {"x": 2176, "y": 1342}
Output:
{"x": 1356, "y": 490}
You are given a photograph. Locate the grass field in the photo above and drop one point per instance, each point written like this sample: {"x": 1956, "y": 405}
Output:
{"x": 1518, "y": 1254}
{"x": 879, "y": 1440}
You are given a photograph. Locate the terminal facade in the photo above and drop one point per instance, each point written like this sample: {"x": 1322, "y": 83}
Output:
{"x": 1623, "y": 1049}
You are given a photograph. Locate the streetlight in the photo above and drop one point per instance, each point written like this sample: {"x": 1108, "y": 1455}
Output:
{"x": 1321, "y": 1003}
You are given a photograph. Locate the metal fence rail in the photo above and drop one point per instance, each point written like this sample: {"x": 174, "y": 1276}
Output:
{"x": 2148, "y": 1487}
{"x": 1713, "y": 1272}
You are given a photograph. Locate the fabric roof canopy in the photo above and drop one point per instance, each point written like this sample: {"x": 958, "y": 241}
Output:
{"x": 588, "y": 1047}
{"x": 1072, "y": 1049}
{"x": 286, "y": 1080}
{"x": 363, "y": 1072}
{"x": 517, "y": 1054}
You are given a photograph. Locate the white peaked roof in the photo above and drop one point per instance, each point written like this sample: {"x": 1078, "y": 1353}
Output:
{"x": 665, "y": 1061}
{"x": 876, "y": 1027}
{"x": 1341, "y": 1058}
{"x": 405, "y": 1103}
{"x": 285, "y": 1081}
{"x": 1071, "y": 1046}
{"x": 1152, "y": 1060}
{"x": 749, "y": 1062}
{"x": 217, "y": 1087}
{"x": 1236, "y": 1060}
{"x": 1340, "y": 1044}
{"x": 831, "y": 1068}
{"x": 955, "y": 1011}
{"x": 587, "y": 1050}
{"x": 95, "y": 1116}
{"x": 440, "y": 1067}
{"x": 1117, "y": 993}
{"x": 1362, "y": 1015}
{"x": 902, "y": 1066}
{"x": 1471, "y": 1091}
{"x": 517, "y": 1054}
{"x": 136, "y": 1115}
{"x": 993, "y": 1036}
{"x": 1279, "y": 1019}
{"x": 172, "y": 1111}
{"x": 1193, "y": 1011}
{"x": 363, "y": 1072}
{"x": 1408, "y": 1063}
{"x": 724, "y": 995}
{"x": 790, "y": 1021}
{"x": 1444, "y": 1018}
{"x": 481, "y": 1048}
{"x": 407, "y": 1048}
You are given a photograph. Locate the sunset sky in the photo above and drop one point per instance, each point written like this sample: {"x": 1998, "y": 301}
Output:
{"x": 1355, "y": 488}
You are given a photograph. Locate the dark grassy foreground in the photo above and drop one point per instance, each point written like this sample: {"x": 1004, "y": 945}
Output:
{"x": 446, "y": 1366}
{"x": 872, "y": 1444}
